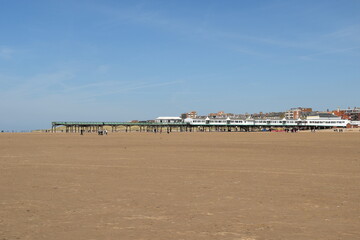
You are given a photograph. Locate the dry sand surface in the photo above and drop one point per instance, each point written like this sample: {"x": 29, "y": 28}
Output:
{"x": 242, "y": 186}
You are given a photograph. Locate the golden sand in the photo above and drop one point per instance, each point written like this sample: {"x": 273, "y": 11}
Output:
{"x": 180, "y": 186}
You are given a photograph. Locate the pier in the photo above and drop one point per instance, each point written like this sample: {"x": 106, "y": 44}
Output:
{"x": 74, "y": 127}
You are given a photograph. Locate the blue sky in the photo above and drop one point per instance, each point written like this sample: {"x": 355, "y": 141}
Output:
{"x": 122, "y": 60}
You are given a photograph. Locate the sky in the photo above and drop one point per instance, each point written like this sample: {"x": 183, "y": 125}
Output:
{"x": 104, "y": 60}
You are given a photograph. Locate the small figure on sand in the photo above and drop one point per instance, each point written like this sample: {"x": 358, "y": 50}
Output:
{"x": 102, "y": 132}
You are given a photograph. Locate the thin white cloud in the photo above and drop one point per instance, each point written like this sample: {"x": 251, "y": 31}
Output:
{"x": 349, "y": 33}
{"x": 247, "y": 51}
{"x": 131, "y": 87}
{"x": 103, "y": 69}
{"x": 339, "y": 41}
{"x": 223, "y": 39}
{"x": 94, "y": 85}
{"x": 37, "y": 86}
{"x": 333, "y": 51}
{"x": 6, "y": 52}
{"x": 61, "y": 84}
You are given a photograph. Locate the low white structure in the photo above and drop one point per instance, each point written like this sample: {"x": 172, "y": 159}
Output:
{"x": 328, "y": 120}
{"x": 168, "y": 120}
{"x": 355, "y": 123}
{"x": 309, "y": 122}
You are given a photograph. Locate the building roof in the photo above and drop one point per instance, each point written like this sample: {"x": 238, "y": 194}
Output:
{"x": 322, "y": 116}
{"x": 327, "y": 115}
{"x": 168, "y": 118}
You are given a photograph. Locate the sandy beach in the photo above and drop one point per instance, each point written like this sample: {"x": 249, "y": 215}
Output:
{"x": 242, "y": 186}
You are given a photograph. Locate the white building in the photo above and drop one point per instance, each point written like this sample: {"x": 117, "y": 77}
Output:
{"x": 355, "y": 123}
{"x": 320, "y": 120}
{"x": 168, "y": 120}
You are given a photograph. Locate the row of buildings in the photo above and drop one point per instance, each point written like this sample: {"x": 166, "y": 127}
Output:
{"x": 351, "y": 114}
{"x": 293, "y": 113}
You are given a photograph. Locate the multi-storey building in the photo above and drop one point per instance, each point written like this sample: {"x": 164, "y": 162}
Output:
{"x": 350, "y": 114}
{"x": 192, "y": 114}
{"x": 296, "y": 113}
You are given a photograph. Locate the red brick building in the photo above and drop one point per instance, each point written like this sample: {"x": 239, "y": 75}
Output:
{"x": 350, "y": 114}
